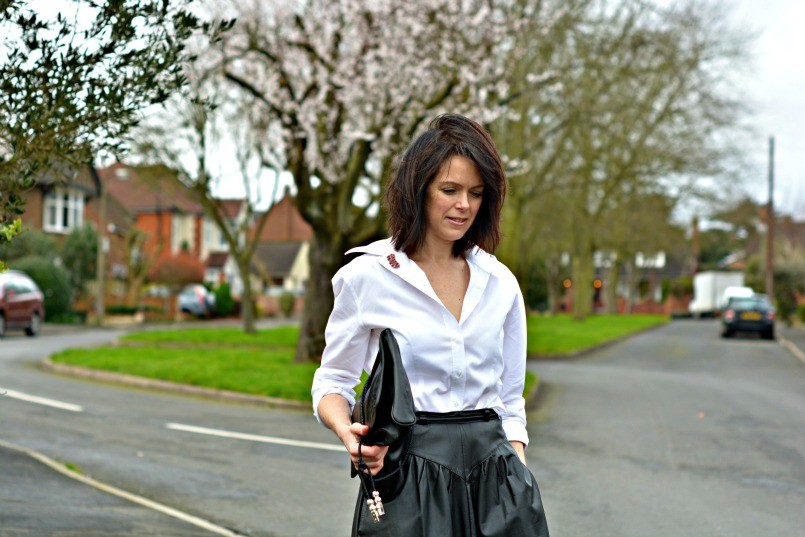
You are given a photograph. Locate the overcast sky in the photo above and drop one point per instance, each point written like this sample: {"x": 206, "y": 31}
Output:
{"x": 777, "y": 87}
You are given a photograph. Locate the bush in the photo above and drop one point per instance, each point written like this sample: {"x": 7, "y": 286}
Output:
{"x": 287, "y": 302}
{"x": 786, "y": 286}
{"x": 801, "y": 313}
{"x": 52, "y": 280}
{"x": 177, "y": 270}
{"x": 121, "y": 309}
{"x": 79, "y": 254}
{"x": 224, "y": 303}
{"x": 682, "y": 286}
{"x": 30, "y": 243}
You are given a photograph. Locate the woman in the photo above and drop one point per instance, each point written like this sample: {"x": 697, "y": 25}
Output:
{"x": 459, "y": 319}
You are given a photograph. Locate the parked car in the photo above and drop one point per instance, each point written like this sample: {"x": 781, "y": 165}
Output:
{"x": 22, "y": 304}
{"x": 197, "y": 300}
{"x": 748, "y": 314}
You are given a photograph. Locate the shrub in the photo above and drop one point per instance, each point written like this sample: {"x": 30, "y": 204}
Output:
{"x": 121, "y": 309}
{"x": 177, "y": 270}
{"x": 52, "y": 280}
{"x": 224, "y": 303}
{"x": 801, "y": 313}
{"x": 79, "y": 254}
{"x": 786, "y": 285}
{"x": 682, "y": 286}
{"x": 287, "y": 302}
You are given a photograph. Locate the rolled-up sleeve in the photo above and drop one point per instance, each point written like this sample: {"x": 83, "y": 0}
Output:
{"x": 513, "y": 378}
{"x": 346, "y": 342}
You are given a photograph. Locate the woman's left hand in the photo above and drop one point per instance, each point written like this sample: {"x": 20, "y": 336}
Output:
{"x": 372, "y": 455}
{"x": 519, "y": 448}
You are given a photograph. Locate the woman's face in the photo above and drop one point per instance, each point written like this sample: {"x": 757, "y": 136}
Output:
{"x": 453, "y": 199}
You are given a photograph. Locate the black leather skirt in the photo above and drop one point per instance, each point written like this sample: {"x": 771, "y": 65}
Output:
{"x": 454, "y": 475}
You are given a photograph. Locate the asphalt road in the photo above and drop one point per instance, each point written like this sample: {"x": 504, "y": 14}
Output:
{"x": 673, "y": 432}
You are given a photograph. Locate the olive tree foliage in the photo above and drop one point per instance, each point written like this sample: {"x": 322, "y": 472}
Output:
{"x": 641, "y": 106}
{"x": 336, "y": 89}
{"x": 69, "y": 90}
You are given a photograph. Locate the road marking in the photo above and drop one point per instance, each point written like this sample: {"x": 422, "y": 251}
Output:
{"x": 145, "y": 502}
{"x": 793, "y": 348}
{"x": 41, "y": 400}
{"x": 254, "y": 437}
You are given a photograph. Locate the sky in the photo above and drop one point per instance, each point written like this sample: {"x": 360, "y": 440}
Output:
{"x": 776, "y": 87}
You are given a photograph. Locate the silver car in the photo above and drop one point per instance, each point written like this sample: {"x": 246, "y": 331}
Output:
{"x": 197, "y": 300}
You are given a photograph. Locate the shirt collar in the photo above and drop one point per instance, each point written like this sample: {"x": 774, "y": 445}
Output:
{"x": 384, "y": 247}
{"x": 399, "y": 263}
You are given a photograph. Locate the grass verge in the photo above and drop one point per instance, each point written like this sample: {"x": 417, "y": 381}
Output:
{"x": 262, "y": 363}
{"x": 561, "y": 335}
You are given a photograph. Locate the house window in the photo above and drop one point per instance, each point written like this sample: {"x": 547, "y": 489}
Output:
{"x": 63, "y": 210}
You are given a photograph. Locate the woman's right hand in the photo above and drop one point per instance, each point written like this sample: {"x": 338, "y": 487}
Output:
{"x": 372, "y": 455}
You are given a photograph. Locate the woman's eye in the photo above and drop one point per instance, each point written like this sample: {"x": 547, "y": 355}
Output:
{"x": 476, "y": 194}
{"x": 448, "y": 190}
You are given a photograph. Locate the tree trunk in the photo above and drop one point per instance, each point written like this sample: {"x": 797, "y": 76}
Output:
{"x": 582, "y": 284}
{"x": 629, "y": 286}
{"x": 247, "y": 300}
{"x": 611, "y": 289}
{"x": 552, "y": 282}
{"x": 325, "y": 258}
{"x": 583, "y": 272}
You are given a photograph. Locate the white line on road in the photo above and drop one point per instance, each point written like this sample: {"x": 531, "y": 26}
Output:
{"x": 41, "y": 400}
{"x": 120, "y": 493}
{"x": 254, "y": 437}
{"x": 793, "y": 348}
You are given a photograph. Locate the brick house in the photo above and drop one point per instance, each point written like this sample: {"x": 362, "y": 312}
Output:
{"x": 160, "y": 205}
{"x": 67, "y": 198}
{"x": 58, "y": 202}
{"x": 281, "y": 256}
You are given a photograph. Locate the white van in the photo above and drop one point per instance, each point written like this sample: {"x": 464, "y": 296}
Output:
{"x": 734, "y": 291}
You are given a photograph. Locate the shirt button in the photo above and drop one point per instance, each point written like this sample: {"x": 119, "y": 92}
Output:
{"x": 455, "y": 404}
{"x": 458, "y": 373}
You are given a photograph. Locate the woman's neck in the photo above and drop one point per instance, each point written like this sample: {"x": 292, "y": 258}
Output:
{"x": 435, "y": 252}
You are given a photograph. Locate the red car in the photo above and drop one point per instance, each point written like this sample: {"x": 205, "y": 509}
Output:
{"x": 21, "y": 303}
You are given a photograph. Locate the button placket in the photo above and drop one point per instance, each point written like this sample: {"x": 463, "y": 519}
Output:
{"x": 458, "y": 381}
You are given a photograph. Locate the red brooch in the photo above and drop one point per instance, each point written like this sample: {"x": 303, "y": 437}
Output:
{"x": 393, "y": 261}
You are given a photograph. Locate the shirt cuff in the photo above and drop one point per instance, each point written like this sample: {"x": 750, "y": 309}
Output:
{"x": 349, "y": 395}
{"x": 515, "y": 430}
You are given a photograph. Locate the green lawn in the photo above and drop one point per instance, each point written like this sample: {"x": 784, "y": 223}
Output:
{"x": 282, "y": 336}
{"x": 560, "y": 334}
{"x": 268, "y": 372}
{"x": 262, "y": 363}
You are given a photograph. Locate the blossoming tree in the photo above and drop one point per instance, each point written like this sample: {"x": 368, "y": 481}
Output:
{"x": 337, "y": 88}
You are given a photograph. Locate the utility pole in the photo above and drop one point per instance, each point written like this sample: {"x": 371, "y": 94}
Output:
{"x": 100, "y": 306}
{"x": 770, "y": 226}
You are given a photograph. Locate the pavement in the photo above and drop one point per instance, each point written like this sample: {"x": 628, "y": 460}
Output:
{"x": 793, "y": 337}
{"x": 82, "y": 510}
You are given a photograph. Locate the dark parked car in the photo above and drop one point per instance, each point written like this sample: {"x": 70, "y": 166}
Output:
{"x": 748, "y": 314}
{"x": 197, "y": 300}
{"x": 21, "y": 303}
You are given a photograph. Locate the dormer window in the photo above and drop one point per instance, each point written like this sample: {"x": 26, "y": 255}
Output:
{"x": 63, "y": 210}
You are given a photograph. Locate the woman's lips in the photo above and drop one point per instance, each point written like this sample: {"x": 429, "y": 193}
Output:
{"x": 457, "y": 221}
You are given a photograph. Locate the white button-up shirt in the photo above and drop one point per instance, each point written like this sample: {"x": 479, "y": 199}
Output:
{"x": 475, "y": 362}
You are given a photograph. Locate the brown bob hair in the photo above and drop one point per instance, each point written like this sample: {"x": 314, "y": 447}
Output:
{"x": 448, "y": 135}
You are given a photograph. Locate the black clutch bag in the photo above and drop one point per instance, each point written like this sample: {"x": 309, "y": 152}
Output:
{"x": 387, "y": 407}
